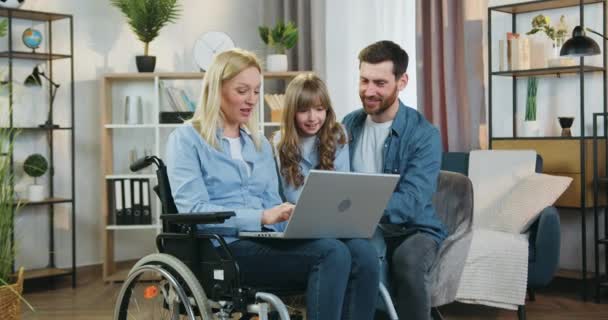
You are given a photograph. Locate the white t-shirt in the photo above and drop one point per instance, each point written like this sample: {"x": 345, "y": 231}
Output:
{"x": 236, "y": 152}
{"x": 307, "y": 144}
{"x": 369, "y": 152}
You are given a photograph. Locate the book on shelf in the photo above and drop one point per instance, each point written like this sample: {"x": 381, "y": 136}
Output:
{"x": 178, "y": 98}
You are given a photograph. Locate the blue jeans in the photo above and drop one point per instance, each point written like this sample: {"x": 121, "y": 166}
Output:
{"x": 340, "y": 277}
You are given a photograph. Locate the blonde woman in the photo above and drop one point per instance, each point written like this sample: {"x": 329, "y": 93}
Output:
{"x": 219, "y": 162}
{"x": 311, "y": 138}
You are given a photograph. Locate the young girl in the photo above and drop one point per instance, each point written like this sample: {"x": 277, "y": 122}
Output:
{"x": 311, "y": 138}
{"x": 220, "y": 162}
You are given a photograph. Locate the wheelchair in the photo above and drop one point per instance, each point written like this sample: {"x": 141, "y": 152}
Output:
{"x": 191, "y": 278}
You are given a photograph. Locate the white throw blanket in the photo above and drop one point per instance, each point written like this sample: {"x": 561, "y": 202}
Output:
{"x": 496, "y": 270}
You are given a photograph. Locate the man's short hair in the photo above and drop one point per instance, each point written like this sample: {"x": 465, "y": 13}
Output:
{"x": 386, "y": 50}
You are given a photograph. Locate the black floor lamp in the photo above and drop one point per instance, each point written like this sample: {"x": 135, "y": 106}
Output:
{"x": 34, "y": 80}
{"x": 580, "y": 45}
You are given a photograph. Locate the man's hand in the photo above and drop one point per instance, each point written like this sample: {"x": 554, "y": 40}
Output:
{"x": 277, "y": 214}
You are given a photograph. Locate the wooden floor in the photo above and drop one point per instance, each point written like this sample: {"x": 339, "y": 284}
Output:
{"x": 94, "y": 300}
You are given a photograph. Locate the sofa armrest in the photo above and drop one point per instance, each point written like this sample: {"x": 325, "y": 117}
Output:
{"x": 544, "y": 245}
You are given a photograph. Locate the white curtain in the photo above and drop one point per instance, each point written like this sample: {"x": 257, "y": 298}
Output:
{"x": 350, "y": 26}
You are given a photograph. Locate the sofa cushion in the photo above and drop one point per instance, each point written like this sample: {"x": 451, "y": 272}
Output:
{"x": 519, "y": 207}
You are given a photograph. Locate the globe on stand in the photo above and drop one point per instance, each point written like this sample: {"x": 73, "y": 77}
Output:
{"x": 32, "y": 38}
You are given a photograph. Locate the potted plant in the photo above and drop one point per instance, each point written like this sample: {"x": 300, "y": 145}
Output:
{"x": 10, "y": 286}
{"x": 557, "y": 34}
{"x": 147, "y": 18}
{"x": 35, "y": 166}
{"x": 280, "y": 38}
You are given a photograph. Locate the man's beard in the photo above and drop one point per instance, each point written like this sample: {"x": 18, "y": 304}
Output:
{"x": 385, "y": 104}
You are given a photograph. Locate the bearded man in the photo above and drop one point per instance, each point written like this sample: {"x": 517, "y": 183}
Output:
{"x": 388, "y": 137}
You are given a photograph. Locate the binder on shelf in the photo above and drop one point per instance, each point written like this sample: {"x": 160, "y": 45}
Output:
{"x": 111, "y": 217}
{"x": 146, "y": 215}
{"x": 136, "y": 208}
{"x": 118, "y": 202}
{"x": 128, "y": 199}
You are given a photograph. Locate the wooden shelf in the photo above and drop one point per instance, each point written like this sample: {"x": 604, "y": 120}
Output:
{"x": 46, "y": 273}
{"x": 541, "y": 138}
{"x": 189, "y": 75}
{"x": 152, "y": 75}
{"x": 25, "y": 202}
{"x": 133, "y": 227}
{"x": 34, "y": 55}
{"x": 131, "y": 176}
{"x": 32, "y": 15}
{"x": 283, "y": 75}
{"x": 531, "y": 6}
{"x": 556, "y": 71}
{"x": 38, "y": 128}
{"x": 130, "y": 126}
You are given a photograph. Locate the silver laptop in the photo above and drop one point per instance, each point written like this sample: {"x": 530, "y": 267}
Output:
{"x": 337, "y": 205}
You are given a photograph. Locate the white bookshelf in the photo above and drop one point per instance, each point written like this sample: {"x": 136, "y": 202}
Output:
{"x": 117, "y": 136}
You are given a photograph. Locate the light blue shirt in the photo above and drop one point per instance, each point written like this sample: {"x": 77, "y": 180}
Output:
{"x": 310, "y": 160}
{"x": 204, "y": 179}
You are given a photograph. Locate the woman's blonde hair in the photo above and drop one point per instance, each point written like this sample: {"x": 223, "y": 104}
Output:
{"x": 208, "y": 115}
{"x": 304, "y": 92}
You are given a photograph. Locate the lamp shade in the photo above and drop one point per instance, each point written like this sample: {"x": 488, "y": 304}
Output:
{"x": 580, "y": 45}
{"x": 33, "y": 80}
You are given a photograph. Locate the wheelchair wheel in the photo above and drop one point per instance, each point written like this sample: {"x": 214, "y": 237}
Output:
{"x": 160, "y": 286}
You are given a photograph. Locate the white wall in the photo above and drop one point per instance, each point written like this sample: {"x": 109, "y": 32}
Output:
{"x": 104, "y": 43}
{"x": 555, "y": 97}
{"x": 361, "y": 23}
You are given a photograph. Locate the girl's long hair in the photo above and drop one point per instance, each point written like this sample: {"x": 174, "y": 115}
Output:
{"x": 304, "y": 92}
{"x": 208, "y": 115}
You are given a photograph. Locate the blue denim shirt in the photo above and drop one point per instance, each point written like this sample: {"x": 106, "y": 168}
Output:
{"x": 413, "y": 150}
{"x": 310, "y": 161}
{"x": 204, "y": 179}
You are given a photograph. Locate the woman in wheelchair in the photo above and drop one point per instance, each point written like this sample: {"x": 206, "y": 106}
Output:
{"x": 219, "y": 162}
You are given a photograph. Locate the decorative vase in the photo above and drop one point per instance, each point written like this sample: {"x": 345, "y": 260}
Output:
{"x": 35, "y": 192}
{"x": 13, "y": 4}
{"x": 556, "y": 60}
{"x": 566, "y": 124}
{"x": 276, "y": 62}
{"x": 531, "y": 128}
{"x": 145, "y": 63}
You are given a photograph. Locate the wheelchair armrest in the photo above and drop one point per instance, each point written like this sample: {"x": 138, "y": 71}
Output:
{"x": 198, "y": 218}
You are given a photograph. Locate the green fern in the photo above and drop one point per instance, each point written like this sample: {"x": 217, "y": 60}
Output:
{"x": 281, "y": 38}
{"x": 7, "y": 208}
{"x": 148, "y": 17}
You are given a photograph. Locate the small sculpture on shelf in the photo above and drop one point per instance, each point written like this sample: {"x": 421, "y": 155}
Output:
{"x": 566, "y": 124}
{"x": 35, "y": 166}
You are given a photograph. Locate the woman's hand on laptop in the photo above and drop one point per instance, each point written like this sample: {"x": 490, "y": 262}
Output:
{"x": 277, "y": 214}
